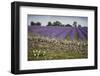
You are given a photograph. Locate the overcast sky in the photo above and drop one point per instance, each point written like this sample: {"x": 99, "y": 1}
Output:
{"x": 44, "y": 19}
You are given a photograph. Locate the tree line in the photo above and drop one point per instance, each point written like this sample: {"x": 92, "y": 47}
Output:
{"x": 56, "y": 23}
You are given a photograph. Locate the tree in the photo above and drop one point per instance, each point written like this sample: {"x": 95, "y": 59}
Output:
{"x": 57, "y": 23}
{"x": 62, "y": 25}
{"x": 75, "y": 24}
{"x": 32, "y": 23}
{"x": 68, "y": 25}
{"x": 54, "y": 24}
{"x": 38, "y": 23}
{"x": 79, "y": 25}
{"x": 49, "y": 24}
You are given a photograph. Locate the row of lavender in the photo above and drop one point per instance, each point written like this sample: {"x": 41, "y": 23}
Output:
{"x": 60, "y": 32}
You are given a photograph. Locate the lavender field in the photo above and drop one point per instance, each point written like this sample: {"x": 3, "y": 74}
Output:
{"x": 55, "y": 42}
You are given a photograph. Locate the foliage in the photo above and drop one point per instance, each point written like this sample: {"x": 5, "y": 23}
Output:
{"x": 49, "y": 24}
{"x": 68, "y": 25}
{"x": 32, "y": 23}
{"x": 75, "y": 23}
{"x": 57, "y": 23}
{"x": 79, "y": 26}
{"x": 35, "y": 24}
{"x": 38, "y": 23}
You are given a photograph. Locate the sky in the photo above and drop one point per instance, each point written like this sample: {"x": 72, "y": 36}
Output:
{"x": 44, "y": 19}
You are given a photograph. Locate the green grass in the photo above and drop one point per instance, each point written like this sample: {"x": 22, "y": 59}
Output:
{"x": 52, "y": 54}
